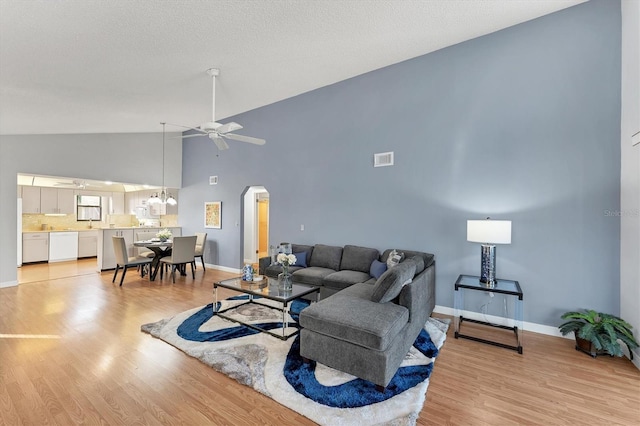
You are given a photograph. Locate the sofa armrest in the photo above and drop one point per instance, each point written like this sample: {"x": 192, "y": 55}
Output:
{"x": 419, "y": 296}
{"x": 263, "y": 262}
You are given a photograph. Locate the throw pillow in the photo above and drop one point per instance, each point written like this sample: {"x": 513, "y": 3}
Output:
{"x": 377, "y": 268}
{"x": 390, "y": 283}
{"x": 301, "y": 259}
{"x": 394, "y": 258}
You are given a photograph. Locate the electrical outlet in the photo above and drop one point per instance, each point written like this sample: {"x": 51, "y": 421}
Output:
{"x": 302, "y": 227}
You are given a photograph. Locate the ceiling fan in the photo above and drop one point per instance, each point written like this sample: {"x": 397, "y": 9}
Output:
{"x": 80, "y": 184}
{"x": 218, "y": 132}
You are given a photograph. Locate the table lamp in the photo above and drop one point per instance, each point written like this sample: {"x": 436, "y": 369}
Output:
{"x": 489, "y": 233}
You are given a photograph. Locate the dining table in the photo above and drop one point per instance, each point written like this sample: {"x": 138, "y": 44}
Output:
{"x": 160, "y": 249}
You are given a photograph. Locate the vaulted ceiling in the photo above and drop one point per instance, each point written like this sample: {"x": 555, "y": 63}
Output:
{"x": 126, "y": 65}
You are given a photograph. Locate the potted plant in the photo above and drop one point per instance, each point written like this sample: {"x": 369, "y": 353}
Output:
{"x": 598, "y": 333}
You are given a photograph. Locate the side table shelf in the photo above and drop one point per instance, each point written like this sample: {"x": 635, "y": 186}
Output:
{"x": 507, "y": 287}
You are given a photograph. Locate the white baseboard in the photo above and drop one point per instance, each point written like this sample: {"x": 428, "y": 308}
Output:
{"x": 8, "y": 284}
{"x": 527, "y": 326}
{"x": 223, "y": 268}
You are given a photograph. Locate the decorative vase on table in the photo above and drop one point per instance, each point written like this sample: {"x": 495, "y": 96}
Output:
{"x": 285, "y": 282}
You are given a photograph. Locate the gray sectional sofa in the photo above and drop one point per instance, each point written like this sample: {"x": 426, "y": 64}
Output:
{"x": 362, "y": 325}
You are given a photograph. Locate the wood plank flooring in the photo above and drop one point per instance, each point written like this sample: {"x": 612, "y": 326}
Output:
{"x": 71, "y": 352}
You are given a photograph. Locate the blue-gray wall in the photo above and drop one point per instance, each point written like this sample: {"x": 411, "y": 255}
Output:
{"x": 522, "y": 124}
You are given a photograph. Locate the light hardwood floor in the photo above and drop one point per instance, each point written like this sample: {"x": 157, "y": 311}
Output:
{"x": 71, "y": 352}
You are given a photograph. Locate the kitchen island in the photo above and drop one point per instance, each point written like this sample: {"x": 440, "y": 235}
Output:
{"x": 106, "y": 255}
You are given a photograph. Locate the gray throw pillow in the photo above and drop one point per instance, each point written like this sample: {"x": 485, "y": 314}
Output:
{"x": 389, "y": 285}
{"x": 419, "y": 263}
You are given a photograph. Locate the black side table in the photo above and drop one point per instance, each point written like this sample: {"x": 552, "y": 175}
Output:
{"x": 508, "y": 287}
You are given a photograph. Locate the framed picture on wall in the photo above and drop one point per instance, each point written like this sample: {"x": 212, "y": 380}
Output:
{"x": 213, "y": 214}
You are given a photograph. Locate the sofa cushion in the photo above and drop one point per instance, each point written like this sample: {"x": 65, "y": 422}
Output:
{"x": 344, "y": 279}
{"x": 377, "y": 268}
{"x": 388, "y": 286}
{"x": 354, "y": 319}
{"x": 326, "y": 257}
{"x": 312, "y": 275}
{"x": 273, "y": 270}
{"x": 356, "y": 258}
{"x": 301, "y": 259}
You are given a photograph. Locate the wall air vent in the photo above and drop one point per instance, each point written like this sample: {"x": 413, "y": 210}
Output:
{"x": 383, "y": 159}
{"x": 213, "y": 180}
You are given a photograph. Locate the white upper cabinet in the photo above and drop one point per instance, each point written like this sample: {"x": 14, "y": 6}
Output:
{"x": 56, "y": 201}
{"x": 30, "y": 199}
{"x": 117, "y": 203}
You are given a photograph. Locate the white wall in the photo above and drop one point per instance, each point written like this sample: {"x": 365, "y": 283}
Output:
{"x": 630, "y": 170}
{"x": 131, "y": 157}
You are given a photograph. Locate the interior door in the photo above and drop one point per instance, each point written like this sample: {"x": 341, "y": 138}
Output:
{"x": 263, "y": 228}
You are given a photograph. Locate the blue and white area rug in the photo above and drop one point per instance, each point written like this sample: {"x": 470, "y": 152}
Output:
{"x": 274, "y": 367}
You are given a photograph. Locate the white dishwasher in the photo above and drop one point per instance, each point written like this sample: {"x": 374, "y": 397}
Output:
{"x": 63, "y": 246}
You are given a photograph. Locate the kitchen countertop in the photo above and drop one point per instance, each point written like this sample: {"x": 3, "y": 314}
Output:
{"x": 61, "y": 230}
{"x": 106, "y": 228}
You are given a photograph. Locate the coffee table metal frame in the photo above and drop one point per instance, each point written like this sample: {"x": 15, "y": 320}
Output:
{"x": 269, "y": 291}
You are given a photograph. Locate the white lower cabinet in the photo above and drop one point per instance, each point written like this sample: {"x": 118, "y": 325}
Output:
{"x": 35, "y": 247}
{"x": 106, "y": 255}
{"x": 87, "y": 244}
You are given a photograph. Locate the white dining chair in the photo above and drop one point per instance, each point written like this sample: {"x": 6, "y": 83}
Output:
{"x": 145, "y": 236}
{"x": 183, "y": 251}
{"x": 123, "y": 260}
{"x": 201, "y": 241}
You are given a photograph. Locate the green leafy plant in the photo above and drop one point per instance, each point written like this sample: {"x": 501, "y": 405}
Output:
{"x": 602, "y": 330}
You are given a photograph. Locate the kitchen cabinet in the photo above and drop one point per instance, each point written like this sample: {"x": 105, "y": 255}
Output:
{"x": 117, "y": 203}
{"x": 106, "y": 255}
{"x": 30, "y": 199}
{"x": 158, "y": 209}
{"x": 173, "y": 209}
{"x": 87, "y": 244}
{"x": 35, "y": 247}
{"x": 56, "y": 201}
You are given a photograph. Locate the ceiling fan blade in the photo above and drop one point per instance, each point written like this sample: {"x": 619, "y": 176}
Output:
{"x": 220, "y": 143}
{"x": 255, "y": 141}
{"x": 229, "y": 127}
{"x": 188, "y": 127}
{"x": 191, "y": 136}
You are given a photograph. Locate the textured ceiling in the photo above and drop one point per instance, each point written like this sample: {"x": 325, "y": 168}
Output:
{"x": 115, "y": 66}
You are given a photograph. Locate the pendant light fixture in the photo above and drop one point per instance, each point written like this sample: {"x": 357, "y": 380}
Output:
{"x": 165, "y": 197}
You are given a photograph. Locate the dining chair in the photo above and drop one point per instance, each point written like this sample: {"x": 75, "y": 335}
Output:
{"x": 145, "y": 236}
{"x": 183, "y": 251}
{"x": 201, "y": 242}
{"x": 123, "y": 260}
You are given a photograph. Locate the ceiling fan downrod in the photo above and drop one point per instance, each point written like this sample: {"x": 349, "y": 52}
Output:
{"x": 213, "y": 72}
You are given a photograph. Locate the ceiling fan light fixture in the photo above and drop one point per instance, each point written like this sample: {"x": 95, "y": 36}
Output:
{"x": 165, "y": 197}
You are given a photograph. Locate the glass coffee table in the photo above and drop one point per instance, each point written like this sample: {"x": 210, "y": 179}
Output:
{"x": 267, "y": 289}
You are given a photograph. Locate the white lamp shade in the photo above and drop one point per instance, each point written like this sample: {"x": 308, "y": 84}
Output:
{"x": 489, "y": 231}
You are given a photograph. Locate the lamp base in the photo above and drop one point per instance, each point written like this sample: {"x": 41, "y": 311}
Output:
{"x": 488, "y": 265}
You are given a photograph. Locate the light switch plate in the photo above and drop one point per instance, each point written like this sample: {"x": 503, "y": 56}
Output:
{"x": 213, "y": 180}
